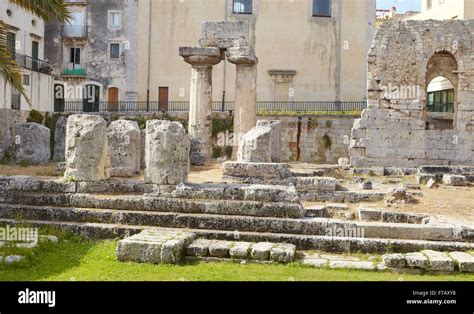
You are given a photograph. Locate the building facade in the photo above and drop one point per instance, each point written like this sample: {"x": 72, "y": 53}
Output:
{"x": 25, "y": 36}
{"x": 445, "y": 10}
{"x": 94, "y": 54}
{"x": 308, "y": 50}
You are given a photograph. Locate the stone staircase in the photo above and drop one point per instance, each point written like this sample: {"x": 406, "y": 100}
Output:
{"x": 231, "y": 212}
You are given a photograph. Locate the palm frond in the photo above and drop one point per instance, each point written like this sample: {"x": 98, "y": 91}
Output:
{"x": 46, "y": 9}
{"x": 9, "y": 69}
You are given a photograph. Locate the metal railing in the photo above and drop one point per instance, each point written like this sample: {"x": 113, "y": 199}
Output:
{"x": 441, "y": 107}
{"x": 77, "y": 71}
{"x": 16, "y": 101}
{"x": 30, "y": 63}
{"x": 217, "y": 106}
{"x": 74, "y": 31}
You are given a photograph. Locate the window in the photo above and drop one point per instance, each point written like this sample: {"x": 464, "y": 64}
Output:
{"x": 26, "y": 80}
{"x": 11, "y": 43}
{"x": 74, "y": 56}
{"x": 115, "y": 19}
{"x": 242, "y": 7}
{"x": 114, "y": 51}
{"x": 429, "y": 4}
{"x": 322, "y": 8}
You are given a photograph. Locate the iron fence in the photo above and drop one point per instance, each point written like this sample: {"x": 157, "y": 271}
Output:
{"x": 217, "y": 106}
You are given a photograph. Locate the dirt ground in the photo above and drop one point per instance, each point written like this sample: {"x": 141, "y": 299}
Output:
{"x": 450, "y": 204}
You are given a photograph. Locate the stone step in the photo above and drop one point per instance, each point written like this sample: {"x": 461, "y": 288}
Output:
{"x": 261, "y": 251}
{"x": 302, "y": 242}
{"x": 342, "y": 196}
{"x": 430, "y": 261}
{"x": 159, "y": 204}
{"x": 305, "y": 226}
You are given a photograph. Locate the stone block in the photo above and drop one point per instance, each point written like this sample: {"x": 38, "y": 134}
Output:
{"x": 283, "y": 253}
{"x": 439, "y": 261}
{"x": 423, "y": 178}
{"x": 86, "y": 156}
{"x": 351, "y": 265}
{"x": 464, "y": 261}
{"x": 123, "y": 137}
{"x": 198, "y": 248}
{"x": 394, "y": 260}
{"x": 324, "y": 184}
{"x": 219, "y": 249}
{"x": 155, "y": 246}
{"x": 276, "y": 127}
{"x": 261, "y": 251}
{"x": 366, "y": 185}
{"x": 240, "y": 250}
{"x": 31, "y": 144}
{"x": 454, "y": 180}
{"x": 256, "y": 170}
{"x": 317, "y": 211}
{"x": 417, "y": 260}
{"x": 261, "y": 143}
{"x": 167, "y": 153}
{"x": 369, "y": 214}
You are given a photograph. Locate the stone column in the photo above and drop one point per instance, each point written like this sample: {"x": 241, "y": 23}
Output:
{"x": 245, "y": 106}
{"x": 200, "y": 103}
{"x": 87, "y": 158}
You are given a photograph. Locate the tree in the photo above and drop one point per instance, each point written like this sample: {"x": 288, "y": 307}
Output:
{"x": 46, "y": 10}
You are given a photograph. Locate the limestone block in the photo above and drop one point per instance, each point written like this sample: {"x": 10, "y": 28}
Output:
{"x": 439, "y": 261}
{"x": 256, "y": 170}
{"x": 366, "y": 185}
{"x": 219, "y": 249}
{"x": 276, "y": 131}
{"x": 240, "y": 250}
{"x": 198, "y": 248}
{"x": 464, "y": 261}
{"x": 454, "y": 180}
{"x": 261, "y": 251}
{"x": 123, "y": 137}
{"x": 317, "y": 211}
{"x": 86, "y": 148}
{"x": 316, "y": 183}
{"x": 32, "y": 143}
{"x": 369, "y": 214}
{"x": 343, "y": 161}
{"x": 283, "y": 253}
{"x": 394, "y": 260}
{"x": 224, "y": 34}
{"x": 431, "y": 184}
{"x": 154, "y": 246}
{"x": 416, "y": 260}
{"x": 167, "y": 153}
{"x": 60, "y": 139}
{"x": 351, "y": 265}
{"x": 256, "y": 145}
{"x": 423, "y": 178}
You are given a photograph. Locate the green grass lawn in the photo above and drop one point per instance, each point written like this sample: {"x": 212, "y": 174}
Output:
{"x": 80, "y": 260}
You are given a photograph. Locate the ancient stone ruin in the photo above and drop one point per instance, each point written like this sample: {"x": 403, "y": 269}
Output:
{"x": 262, "y": 143}
{"x": 87, "y": 156}
{"x": 398, "y": 127}
{"x": 220, "y": 39}
{"x": 31, "y": 144}
{"x": 166, "y": 153}
{"x": 123, "y": 138}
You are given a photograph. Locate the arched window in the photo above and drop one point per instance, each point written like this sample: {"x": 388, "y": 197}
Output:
{"x": 440, "y": 95}
{"x": 442, "y": 82}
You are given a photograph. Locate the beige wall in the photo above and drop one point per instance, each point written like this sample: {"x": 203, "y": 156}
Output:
{"x": 445, "y": 10}
{"x": 328, "y": 54}
{"x": 40, "y": 90}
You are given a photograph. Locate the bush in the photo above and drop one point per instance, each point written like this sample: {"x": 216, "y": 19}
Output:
{"x": 35, "y": 116}
{"x": 327, "y": 141}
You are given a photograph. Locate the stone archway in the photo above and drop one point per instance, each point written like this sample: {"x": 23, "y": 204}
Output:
{"x": 443, "y": 64}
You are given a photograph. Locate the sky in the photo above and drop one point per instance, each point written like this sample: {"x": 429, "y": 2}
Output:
{"x": 402, "y": 5}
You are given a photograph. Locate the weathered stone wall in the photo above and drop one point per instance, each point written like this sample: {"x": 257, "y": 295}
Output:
{"x": 397, "y": 128}
{"x": 314, "y": 139}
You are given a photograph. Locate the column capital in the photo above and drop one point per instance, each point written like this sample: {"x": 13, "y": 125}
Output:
{"x": 244, "y": 55}
{"x": 198, "y": 56}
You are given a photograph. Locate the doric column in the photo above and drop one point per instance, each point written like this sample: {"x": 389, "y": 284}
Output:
{"x": 200, "y": 103}
{"x": 245, "y": 107}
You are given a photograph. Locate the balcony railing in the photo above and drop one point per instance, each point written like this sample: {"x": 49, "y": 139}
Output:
{"x": 80, "y": 71}
{"x": 74, "y": 31}
{"x": 441, "y": 107}
{"x": 16, "y": 101}
{"x": 36, "y": 65}
{"x": 183, "y": 106}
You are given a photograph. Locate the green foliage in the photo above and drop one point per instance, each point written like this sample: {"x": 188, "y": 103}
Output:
{"x": 327, "y": 141}
{"x": 7, "y": 157}
{"x": 216, "y": 152}
{"x": 328, "y": 124}
{"x": 24, "y": 164}
{"x": 228, "y": 151}
{"x": 221, "y": 125}
{"x": 35, "y": 116}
